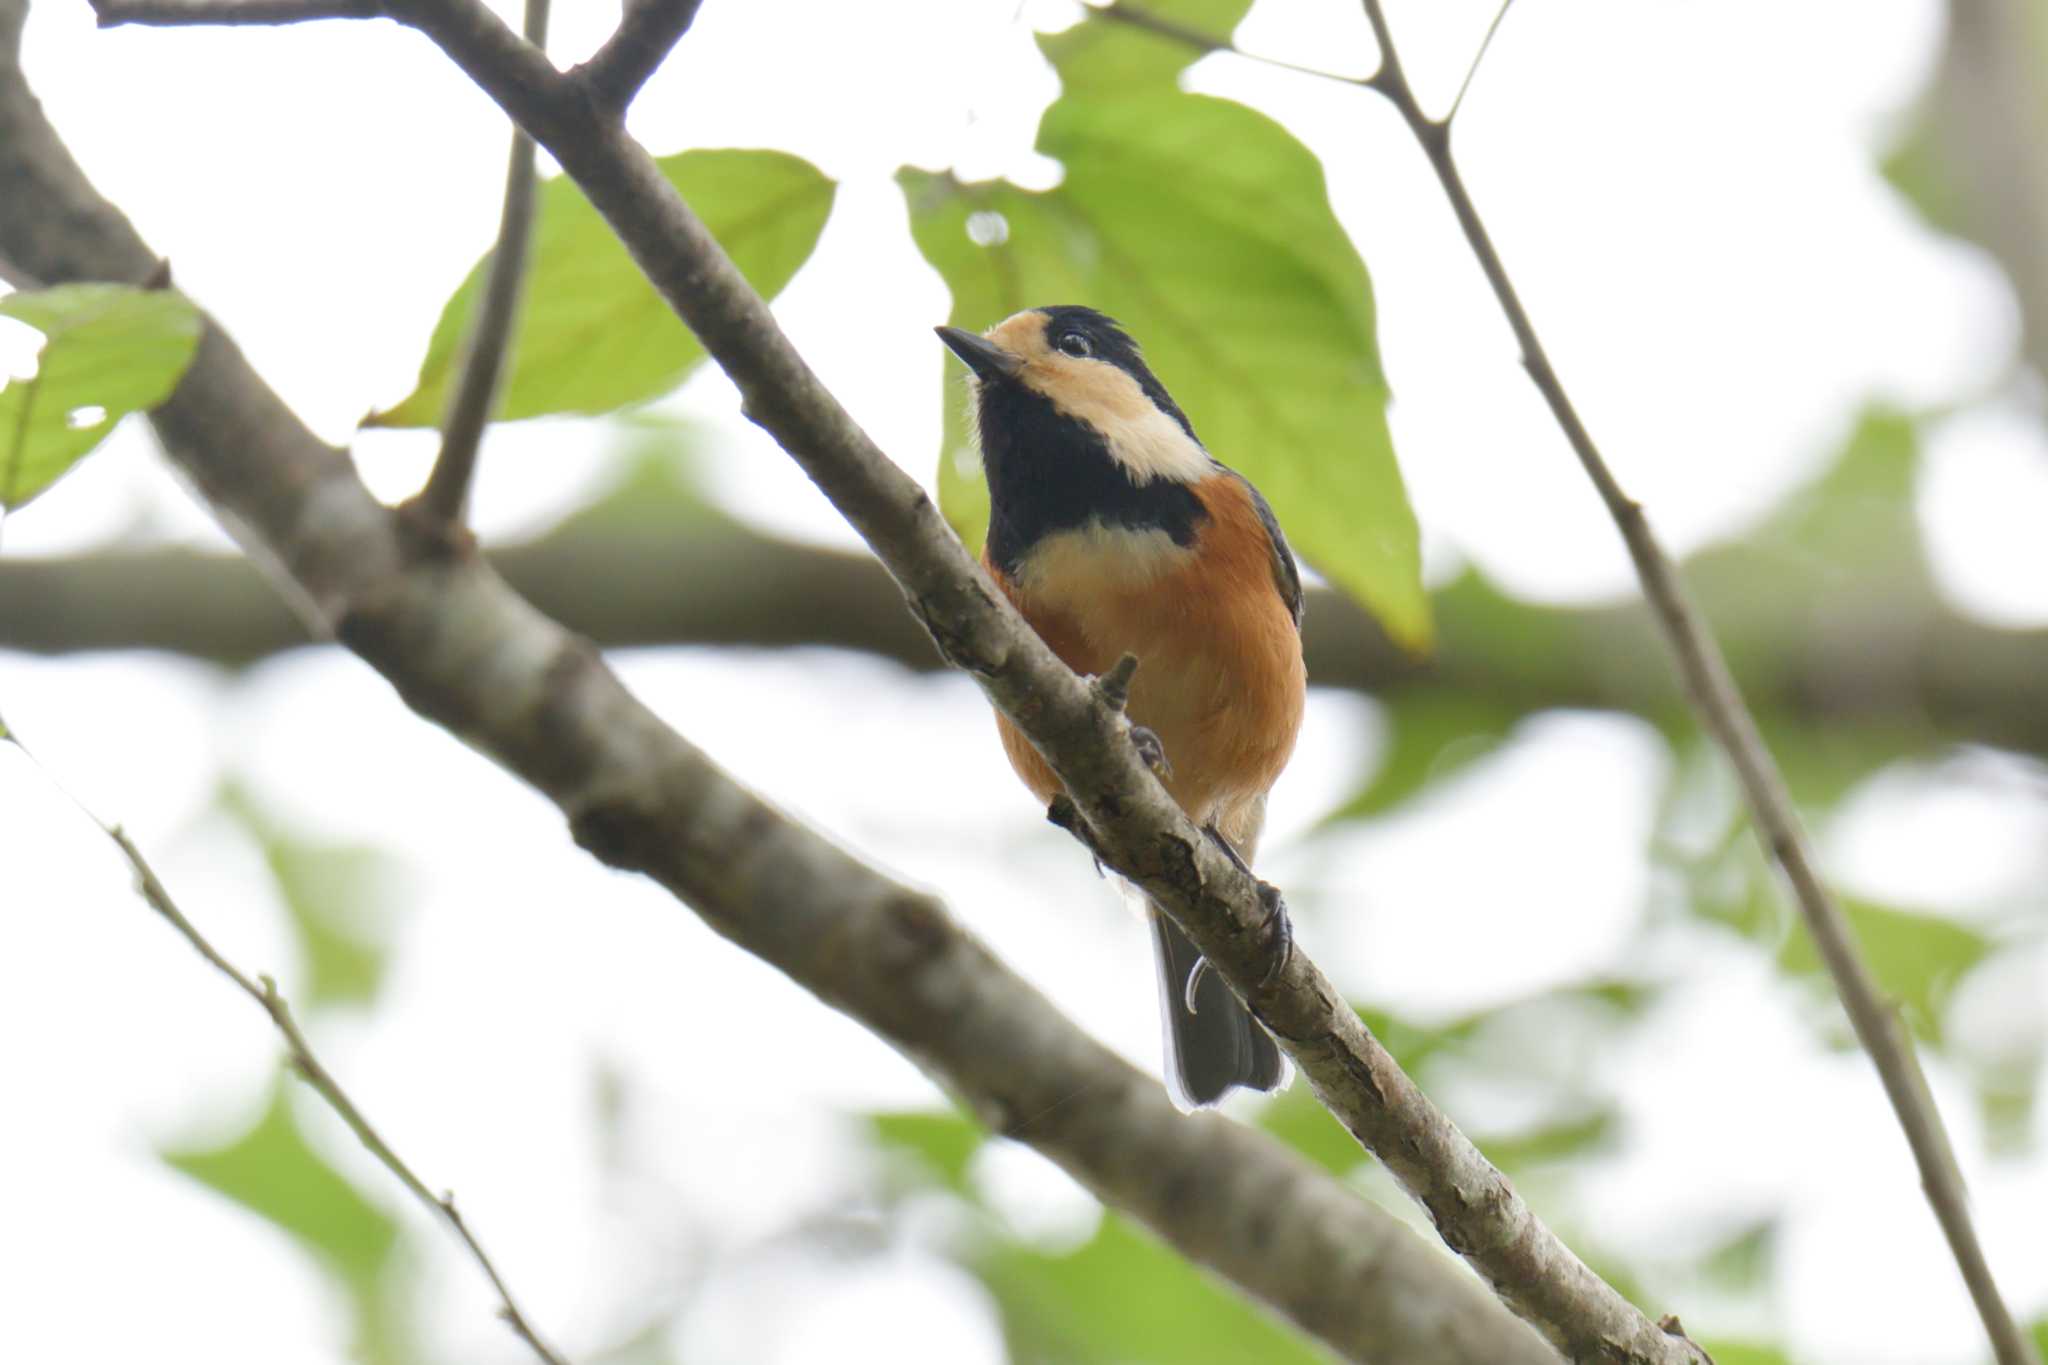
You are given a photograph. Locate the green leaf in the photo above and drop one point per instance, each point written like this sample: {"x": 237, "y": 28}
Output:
{"x": 1917, "y": 959}
{"x": 1743, "y": 1263}
{"x": 1206, "y": 229}
{"x": 108, "y": 350}
{"x": 336, "y": 896}
{"x": 944, "y": 1143}
{"x": 593, "y": 334}
{"x": 1122, "y": 1299}
{"x": 273, "y": 1172}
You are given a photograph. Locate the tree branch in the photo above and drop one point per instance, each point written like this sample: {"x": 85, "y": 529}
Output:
{"x": 648, "y": 31}
{"x": 489, "y": 354}
{"x": 467, "y": 653}
{"x": 1137, "y": 827}
{"x": 1719, "y": 704}
{"x": 174, "y": 13}
{"x": 308, "y": 1066}
{"x": 1810, "y": 653}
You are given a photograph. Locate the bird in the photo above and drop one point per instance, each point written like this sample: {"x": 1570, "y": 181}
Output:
{"x": 1113, "y": 530}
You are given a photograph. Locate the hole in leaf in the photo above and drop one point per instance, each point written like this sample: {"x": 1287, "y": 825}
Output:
{"x": 86, "y": 418}
{"x": 987, "y": 228}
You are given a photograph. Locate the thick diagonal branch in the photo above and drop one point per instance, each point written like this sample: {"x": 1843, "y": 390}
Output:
{"x": 469, "y": 654}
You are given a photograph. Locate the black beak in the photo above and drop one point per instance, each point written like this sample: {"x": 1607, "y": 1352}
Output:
{"x": 983, "y": 356}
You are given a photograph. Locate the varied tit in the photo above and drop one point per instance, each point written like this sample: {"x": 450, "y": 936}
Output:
{"x": 1113, "y": 530}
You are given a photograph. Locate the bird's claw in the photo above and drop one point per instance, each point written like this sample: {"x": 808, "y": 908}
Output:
{"x": 1146, "y": 741}
{"x": 1278, "y": 931}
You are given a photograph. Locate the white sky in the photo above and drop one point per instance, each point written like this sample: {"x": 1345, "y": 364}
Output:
{"x": 1686, "y": 195}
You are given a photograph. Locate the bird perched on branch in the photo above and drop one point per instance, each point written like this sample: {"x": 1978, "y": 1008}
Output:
{"x": 1114, "y": 531}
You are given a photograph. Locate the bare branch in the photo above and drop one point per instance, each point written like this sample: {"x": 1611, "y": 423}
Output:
{"x": 647, "y": 33}
{"x": 1719, "y": 704}
{"x": 641, "y": 797}
{"x": 309, "y": 1067}
{"x": 489, "y": 355}
{"x": 173, "y": 13}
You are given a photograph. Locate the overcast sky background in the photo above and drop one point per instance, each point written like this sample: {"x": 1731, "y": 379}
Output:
{"x": 1687, "y": 197}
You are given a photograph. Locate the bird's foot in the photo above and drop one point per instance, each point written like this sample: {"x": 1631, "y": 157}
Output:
{"x": 1278, "y": 931}
{"x": 1274, "y": 926}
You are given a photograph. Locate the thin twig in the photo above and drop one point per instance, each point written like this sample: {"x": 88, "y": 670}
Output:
{"x": 648, "y": 31}
{"x": 488, "y": 358}
{"x": 1485, "y": 46}
{"x": 1136, "y": 16}
{"x": 172, "y": 13}
{"x": 263, "y": 990}
{"x": 1717, "y": 699}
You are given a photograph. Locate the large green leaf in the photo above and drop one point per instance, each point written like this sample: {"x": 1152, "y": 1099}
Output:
{"x": 108, "y": 350}
{"x": 273, "y": 1172}
{"x": 593, "y": 334}
{"x": 1206, "y": 229}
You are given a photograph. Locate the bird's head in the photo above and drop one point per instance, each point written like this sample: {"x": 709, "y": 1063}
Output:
{"x": 1066, "y": 384}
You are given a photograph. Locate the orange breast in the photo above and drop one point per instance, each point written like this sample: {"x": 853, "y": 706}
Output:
{"x": 1220, "y": 676}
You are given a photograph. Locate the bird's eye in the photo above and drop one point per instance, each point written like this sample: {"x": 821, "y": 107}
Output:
{"x": 1076, "y": 345}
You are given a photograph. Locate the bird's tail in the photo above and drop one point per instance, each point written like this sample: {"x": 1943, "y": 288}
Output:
{"x": 1212, "y": 1041}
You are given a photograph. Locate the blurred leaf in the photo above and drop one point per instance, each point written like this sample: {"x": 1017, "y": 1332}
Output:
{"x": 1297, "y": 1119}
{"x": 593, "y": 333}
{"x": 1549, "y": 1144}
{"x": 944, "y": 1143}
{"x": 1917, "y": 959}
{"x": 2008, "y": 1099}
{"x": 1744, "y": 1353}
{"x": 273, "y": 1172}
{"x": 1742, "y": 1264}
{"x": 108, "y": 350}
{"x": 1432, "y": 736}
{"x": 336, "y": 895}
{"x": 1860, "y": 509}
{"x": 1122, "y": 1299}
{"x": 2041, "y": 1336}
{"x": 1206, "y": 229}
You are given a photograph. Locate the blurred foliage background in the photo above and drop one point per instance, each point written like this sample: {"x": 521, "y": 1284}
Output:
{"x": 1665, "y": 1075}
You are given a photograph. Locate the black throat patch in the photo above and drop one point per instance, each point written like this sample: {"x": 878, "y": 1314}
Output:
{"x": 1048, "y": 472}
